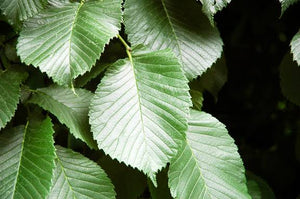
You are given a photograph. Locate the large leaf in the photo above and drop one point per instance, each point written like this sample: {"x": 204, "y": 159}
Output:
{"x": 27, "y": 160}
{"x": 285, "y": 4}
{"x": 65, "y": 40}
{"x": 208, "y": 165}
{"x": 295, "y": 47}
{"x": 211, "y": 7}
{"x": 19, "y": 10}
{"x": 71, "y": 109}
{"x": 139, "y": 111}
{"x": 76, "y": 176}
{"x": 177, "y": 25}
{"x": 9, "y": 94}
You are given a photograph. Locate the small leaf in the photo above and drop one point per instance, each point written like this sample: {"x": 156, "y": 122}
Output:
{"x": 76, "y": 176}
{"x": 70, "y": 109}
{"x": 258, "y": 188}
{"x": 208, "y": 164}
{"x": 177, "y": 25}
{"x": 295, "y": 47}
{"x": 211, "y": 7}
{"x": 66, "y": 40}
{"x": 285, "y": 4}
{"x": 197, "y": 99}
{"x": 162, "y": 190}
{"x": 27, "y": 160}
{"x": 138, "y": 114}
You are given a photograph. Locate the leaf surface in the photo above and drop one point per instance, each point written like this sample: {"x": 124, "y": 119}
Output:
{"x": 76, "y": 176}
{"x": 285, "y": 4}
{"x": 211, "y": 7}
{"x": 27, "y": 160}
{"x": 66, "y": 40}
{"x": 208, "y": 165}
{"x": 295, "y": 47}
{"x": 258, "y": 188}
{"x": 138, "y": 114}
{"x": 177, "y": 25}
{"x": 70, "y": 109}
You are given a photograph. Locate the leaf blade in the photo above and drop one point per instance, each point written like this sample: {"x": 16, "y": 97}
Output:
{"x": 210, "y": 8}
{"x": 295, "y": 47}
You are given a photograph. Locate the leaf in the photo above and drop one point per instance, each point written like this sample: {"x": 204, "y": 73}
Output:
{"x": 197, "y": 99}
{"x": 17, "y": 11}
{"x": 211, "y": 7}
{"x": 177, "y": 25}
{"x": 289, "y": 79}
{"x": 64, "y": 41}
{"x": 258, "y": 188}
{"x": 295, "y": 47}
{"x": 285, "y": 4}
{"x": 208, "y": 165}
{"x": 27, "y": 160}
{"x": 76, "y": 176}
{"x": 138, "y": 114}
{"x": 70, "y": 109}
{"x": 10, "y": 93}
{"x": 162, "y": 190}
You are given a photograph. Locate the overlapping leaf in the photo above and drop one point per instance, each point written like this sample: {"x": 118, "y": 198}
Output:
{"x": 177, "y": 25}
{"x": 71, "y": 109}
{"x": 208, "y": 165}
{"x": 295, "y": 47}
{"x": 139, "y": 111}
{"x": 211, "y": 7}
{"x": 76, "y": 176}
{"x": 285, "y": 4}
{"x": 65, "y": 40}
{"x": 27, "y": 160}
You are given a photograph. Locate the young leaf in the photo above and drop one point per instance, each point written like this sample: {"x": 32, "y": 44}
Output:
{"x": 27, "y": 160}
{"x": 138, "y": 114}
{"x": 17, "y": 11}
{"x": 285, "y": 4}
{"x": 177, "y": 25}
{"x": 208, "y": 165}
{"x": 211, "y": 7}
{"x": 295, "y": 47}
{"x": 65, "y": 41}
{"x": 9, "y": 94}
{"x": 70, "y": 109}
{"x": 76, "y": 176}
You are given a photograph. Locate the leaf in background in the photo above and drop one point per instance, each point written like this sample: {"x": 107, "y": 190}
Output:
{"x": 208, "y": 165}
{"x": 177, "y": 25}
{"x": 76, "y": 176}
{"x": 285, "y": 4}
{"x": 70, "y": 109}
{"x": 66, "y": 41}
{"x": 289, "y": 79}
{"x": 295, "y": 47}
{"x": 162, "y": 190}
{"x": 197, "y": 99}
{"x": 27, "y": 160}
{"x": 17, "y": 11}
{"x": 138, "y": 114}
{"x": 258, "y": 188}
{"x": 9, "y": 94}
{"x": 211, "y": 7}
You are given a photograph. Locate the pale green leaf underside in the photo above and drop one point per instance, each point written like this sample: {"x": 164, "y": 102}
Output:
{"x": 76, "y": 176}
{"x": 66, "y": 41}
{"x": 208, "y": 165}
{"x": 285, "y": 4}
{"x": 177, "y": 25}
{"x": 70, "y": 109}
{"x": 19, "y": 10}
{"x": 211, "y": 7}
{"x": 22, "y": 174}
{"x": 139, "y": 111}
{"x": 9, "y": 95}
{"x": 295, "y": 47}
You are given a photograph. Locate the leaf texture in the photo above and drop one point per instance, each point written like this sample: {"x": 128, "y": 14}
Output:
{"x": 177, "y": 25}
{"x": 66, "y": 41}
{"x": 211, "y": 7}
{"x": 295, "y": 47}
{"x": 70, "y": 109}
{"x": 27, "y": 160}
{"x": 208, "y": 165}
{"x": 76, "y": 176}
{"x": 138, "y": 114}
{"x": 285, "y": 4}
{"x": 9, "y": 94}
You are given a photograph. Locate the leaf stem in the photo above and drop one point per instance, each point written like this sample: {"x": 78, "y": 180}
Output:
{"x": 124, "y": 43}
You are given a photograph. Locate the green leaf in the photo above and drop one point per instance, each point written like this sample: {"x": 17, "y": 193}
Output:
{"x": 66, "y": 40}
{"x": 76, "y": 176}
{"x": 289, "y": 79}
{"x": 197, "y": 99}
{"x": 295, "y": 47}
{"x": 138, "y": 114}
{"x": 70, "y": 109}
{"x": 177, "y": 25}
{"x": 208, "y": 165}
{"x": 27, "y": 160}
{"x": 211, "y": 7}
{"x": 17, "y": 11}
{"x": 9, "y": 94}
{"x": 285, "y": 4}
{"x": 162, "y": 190}
{"x": 258, "y": 188}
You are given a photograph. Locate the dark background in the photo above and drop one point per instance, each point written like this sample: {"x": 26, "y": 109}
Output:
{"x": 264, "y": 124}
